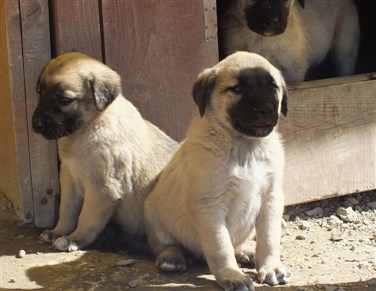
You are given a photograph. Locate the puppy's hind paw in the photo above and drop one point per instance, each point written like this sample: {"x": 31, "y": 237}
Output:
{"x": 65, "y": 244}
{"x": 272, "y": 278}
{"x": 48, "y": 236}
{"x": 170, "y": 260}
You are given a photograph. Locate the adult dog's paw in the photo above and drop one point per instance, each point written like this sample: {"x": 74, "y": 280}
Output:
{"x": 235, "y": 280}
{"x": 65, "y": 244}
{"x": 48, "y": 236}
{"x": 272, "y": 276}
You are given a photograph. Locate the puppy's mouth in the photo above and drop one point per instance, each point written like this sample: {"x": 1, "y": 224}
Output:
{"x": 256, "y": 129}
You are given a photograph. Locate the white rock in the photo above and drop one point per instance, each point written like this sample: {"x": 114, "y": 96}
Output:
{"x": 336, "y": 236}
{"x": 304, "y": 225}
{"x": 347, "y": 214}
{"x": 21, "y": 254}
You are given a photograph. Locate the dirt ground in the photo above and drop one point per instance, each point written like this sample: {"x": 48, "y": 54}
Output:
{"x": 327, "y": 245}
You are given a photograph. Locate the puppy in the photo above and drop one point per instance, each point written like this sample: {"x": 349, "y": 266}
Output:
{"x": 225, "y": 179}
{"x": 294, "y": 35}
{"x": 110, "y": 156}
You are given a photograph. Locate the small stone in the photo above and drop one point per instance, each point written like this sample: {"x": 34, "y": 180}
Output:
{"x": 315, "y": 212}
{"x": 132, "y": 283}
{"x": 126, "y": 263}
{"x": 21, "y": 254}
{"x": 304, "y": 225}
{"x": 12, "y": 280}
{"x": 352, "y": 201}
{"x": 330, "y": 288}
{"x": 286, "y": 217}
{"x": 300, "y": 237}
{"x": 336, "y": 236}
{"x": 352, "y": 248}
{"x": 358, "y": 208}
{"x": 347, "y": 214}
{"x": 283, "y": 223}
{"x": 372, "y": 205}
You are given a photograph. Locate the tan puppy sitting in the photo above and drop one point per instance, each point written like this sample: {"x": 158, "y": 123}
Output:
{"x": 294, "y": 35}
{"x": 225, "y": 179}
{"x": 110, "y": 156}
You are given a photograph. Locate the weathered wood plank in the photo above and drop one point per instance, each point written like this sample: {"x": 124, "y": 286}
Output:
{"x": 15, "y": 177}
{"x": 76, "y": 27}
{"x": 330, "y": 137}
{"x": 43, "y": 155}
{"x": 158, "y": 47}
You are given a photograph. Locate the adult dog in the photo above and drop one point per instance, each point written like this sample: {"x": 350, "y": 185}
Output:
{"x": 110, "y": 156}
{"x": 226, "y": 176}
{"x": 294, "y": 35}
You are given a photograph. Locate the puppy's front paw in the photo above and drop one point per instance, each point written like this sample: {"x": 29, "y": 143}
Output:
{"x": 65, "y": 244}
{"x": 272, "y": 276}
{"x": 235, "y": 280}
{"x": 48, "y": 236}
{"x": 171, "y": 260}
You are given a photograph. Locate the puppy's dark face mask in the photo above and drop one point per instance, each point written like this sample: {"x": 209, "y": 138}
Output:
{"x": 52, "y": 117}
{"x": 72, "y": 92}
{"x": 256, "y": 113}
{"x": 268, "y": 17}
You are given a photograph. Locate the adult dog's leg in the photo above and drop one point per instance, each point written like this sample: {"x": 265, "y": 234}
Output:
{"x": 346, "y": 45}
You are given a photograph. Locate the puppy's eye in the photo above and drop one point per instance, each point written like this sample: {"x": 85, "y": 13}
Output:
{"x": 236, "y": 89}
{"x": 64, "y": 101}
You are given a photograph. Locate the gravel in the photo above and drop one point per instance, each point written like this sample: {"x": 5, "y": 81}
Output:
{"x": 326, "y": 245}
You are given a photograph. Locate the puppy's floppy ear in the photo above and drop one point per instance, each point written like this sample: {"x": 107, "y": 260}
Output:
{"x": 284, "y": 102}
{"x": 302, "y": 3}
{"x": 203, "y": 89}
{"x": 105, "y": 90}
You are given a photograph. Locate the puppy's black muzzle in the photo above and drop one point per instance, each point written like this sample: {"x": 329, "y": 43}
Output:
{"x": 48, "y": 126}
{"x": 50, "y": 121}
{"x": 257, "y": 121}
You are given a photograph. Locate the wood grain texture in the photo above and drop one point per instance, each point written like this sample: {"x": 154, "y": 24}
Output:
{"x": 76, "y": 27}
{"x": 158, "y": 47}
{"x": 330, "y": 140}
{"x": 15, "y": 164}
{"x": 43, "y": 153}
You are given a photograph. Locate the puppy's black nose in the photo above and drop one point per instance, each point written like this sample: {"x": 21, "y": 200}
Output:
{"x": 38, "y": 124}
{"x": 265, "y": 111}
{"x": 272, "y": 22}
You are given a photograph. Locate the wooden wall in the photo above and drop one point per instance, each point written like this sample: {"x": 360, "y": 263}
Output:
{"x": 158, "y": 47}
{"x": 28, "y": 162}
{"x": 330, "y": 138}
